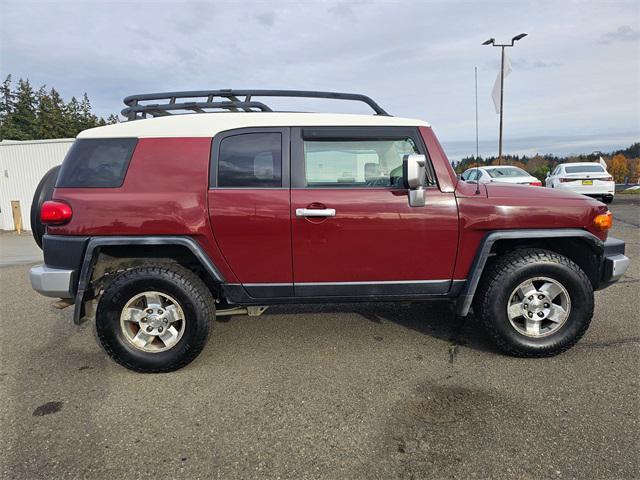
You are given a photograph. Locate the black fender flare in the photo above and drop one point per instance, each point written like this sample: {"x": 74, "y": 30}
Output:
{"x": 94, "y": 243}
{"x": 465, "y": 299}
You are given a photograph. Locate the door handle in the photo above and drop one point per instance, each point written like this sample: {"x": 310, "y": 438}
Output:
{"x": 315, "y": 212}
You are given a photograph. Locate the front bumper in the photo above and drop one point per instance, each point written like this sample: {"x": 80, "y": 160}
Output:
{"x": 52, "y": 282}
{"x": 615, "y": 262}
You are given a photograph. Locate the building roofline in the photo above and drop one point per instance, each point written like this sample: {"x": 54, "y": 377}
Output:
{"x": 8, "y": 142}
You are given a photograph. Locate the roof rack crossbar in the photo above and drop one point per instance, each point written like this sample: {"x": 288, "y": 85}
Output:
{"x": 232, "y": 102}
{"x": 160, "y": 110}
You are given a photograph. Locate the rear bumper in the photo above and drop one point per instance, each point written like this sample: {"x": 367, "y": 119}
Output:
{"x": 63, "y": 257}
{"x": 52, "y": 282}
{"x": 595, "y": 190}
{"x": 615, "y": 262}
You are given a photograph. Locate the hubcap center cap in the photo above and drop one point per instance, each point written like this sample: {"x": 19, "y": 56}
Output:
{"x": 155, "y": 320}
{"x": 537, "y": 308}
{"x": 536, "y": 305}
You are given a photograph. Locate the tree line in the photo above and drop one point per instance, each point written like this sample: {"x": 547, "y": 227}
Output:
{"x": 623, "y": 165}
{"x": 28, "y": 114}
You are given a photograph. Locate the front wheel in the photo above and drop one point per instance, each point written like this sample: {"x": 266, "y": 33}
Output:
{"x": 154, "y": 319}
{"x": 534, "y": 303}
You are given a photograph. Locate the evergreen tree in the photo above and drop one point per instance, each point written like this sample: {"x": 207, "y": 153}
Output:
{"x": 28, "y": 115}
{"x": 6, "y": 105}
{"x": 57, "y": 126}
{"x": 87, "y": 119}
{"x": 6, "y": 98}
{"x": 50, "y": 114}
{"x": 73, "y": 118}
{"x": 21, "y": 122}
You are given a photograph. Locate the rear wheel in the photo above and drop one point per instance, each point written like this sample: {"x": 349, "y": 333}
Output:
{"x": 155, "y": 319}
{"x": 607, "y": 199}
{"x": 44, "y": 192}
{"x": 534, "y": 303}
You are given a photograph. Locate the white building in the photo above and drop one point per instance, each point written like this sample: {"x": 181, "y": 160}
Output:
{"x": 22, "y": 165}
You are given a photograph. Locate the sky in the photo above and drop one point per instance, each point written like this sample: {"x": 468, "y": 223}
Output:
{"x": 574, "y": 88}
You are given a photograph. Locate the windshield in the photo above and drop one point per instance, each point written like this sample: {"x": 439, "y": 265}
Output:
{"x": 507, "y": 172}
{"x": 585, "y": 168}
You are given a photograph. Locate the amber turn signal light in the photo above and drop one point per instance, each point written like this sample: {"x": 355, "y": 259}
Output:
{"x": 603, "y": 221}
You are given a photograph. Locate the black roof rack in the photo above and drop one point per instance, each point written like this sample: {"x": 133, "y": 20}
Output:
{"x": 201, "y": 101}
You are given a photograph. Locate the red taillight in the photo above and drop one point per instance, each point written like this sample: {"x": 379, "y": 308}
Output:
{"x": 608, "y": 179}
{"x": 564, "y": 180}
{"x": 536, "y": 184}
{"x": 54, "y": 212}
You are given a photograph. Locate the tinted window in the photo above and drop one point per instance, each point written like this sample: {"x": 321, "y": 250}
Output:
{"x": 96, "y": 163}
{"x": 584, "y": 169}
{"x": 359, "y": 163}
{"x": 250, "y": 160}
{"x": 507, "y": 172}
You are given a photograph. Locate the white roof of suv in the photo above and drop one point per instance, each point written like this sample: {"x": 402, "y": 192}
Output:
{"x": 208, "y": 124}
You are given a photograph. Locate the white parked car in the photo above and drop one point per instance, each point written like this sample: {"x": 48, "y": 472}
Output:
{"x": 500, "y": 174}
{"x": 587, "y": 178}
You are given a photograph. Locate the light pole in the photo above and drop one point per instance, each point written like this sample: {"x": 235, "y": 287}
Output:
{"x": 492, "y": 42}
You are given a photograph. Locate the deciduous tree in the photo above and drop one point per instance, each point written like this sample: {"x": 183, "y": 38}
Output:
{"x": 618, "y": 168}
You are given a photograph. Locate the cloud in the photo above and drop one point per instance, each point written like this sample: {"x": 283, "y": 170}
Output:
{"x": 416, "y": 59}
{"x": 266, "y": 18}
{"x": 344, "y": 8}
{"x": 535, "y": 64}
{"x": 623, "y": 34}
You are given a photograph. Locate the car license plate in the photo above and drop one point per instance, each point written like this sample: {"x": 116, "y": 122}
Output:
{"x": 587, "y": 182}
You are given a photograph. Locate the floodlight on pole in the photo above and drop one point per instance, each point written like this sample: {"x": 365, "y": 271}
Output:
{"x": 493, "y": 43}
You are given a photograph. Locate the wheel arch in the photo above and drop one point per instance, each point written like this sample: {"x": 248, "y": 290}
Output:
{"x": 580, "y": 246}
{"x": 104, "y": 255}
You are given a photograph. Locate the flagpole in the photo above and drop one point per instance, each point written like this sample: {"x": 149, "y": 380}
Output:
{"x": 477, "y": 149}
{"x": 501, "y": 101}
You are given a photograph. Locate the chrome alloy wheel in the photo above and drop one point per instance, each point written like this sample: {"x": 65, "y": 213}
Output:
{"x": 538, "y": 307}
{"x": 152, "y": 322}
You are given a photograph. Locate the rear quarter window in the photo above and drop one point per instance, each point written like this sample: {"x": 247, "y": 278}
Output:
{"x": 96, "y": 163}
{"x": 251, "y": 160}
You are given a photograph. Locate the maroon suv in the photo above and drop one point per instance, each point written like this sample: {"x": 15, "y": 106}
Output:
{"x": 152, "y": 224}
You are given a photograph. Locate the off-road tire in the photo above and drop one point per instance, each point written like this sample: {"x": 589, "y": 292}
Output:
{"x": 44, "y": 192}
{"x": 180, "y": 283}
{"x": 505, "y": 274}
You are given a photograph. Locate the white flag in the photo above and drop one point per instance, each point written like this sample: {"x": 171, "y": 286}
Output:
{"x": 495, "y": 93}
{"x": 603, "y": 163}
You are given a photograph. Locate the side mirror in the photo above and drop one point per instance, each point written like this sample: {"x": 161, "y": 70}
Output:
{"x": 415, "y": 174}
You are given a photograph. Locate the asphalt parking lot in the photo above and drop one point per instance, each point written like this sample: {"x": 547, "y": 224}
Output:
{"x": 331, "y": 391}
